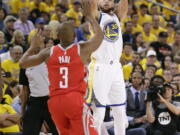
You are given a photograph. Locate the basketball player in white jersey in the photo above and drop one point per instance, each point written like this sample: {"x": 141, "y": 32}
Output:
{"x": 106, "y": 82}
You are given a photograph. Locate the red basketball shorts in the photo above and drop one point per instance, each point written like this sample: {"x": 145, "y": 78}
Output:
{"x": 67, "y": 113}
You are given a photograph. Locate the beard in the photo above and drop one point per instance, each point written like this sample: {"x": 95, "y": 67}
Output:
{"x": 106, "y": 10}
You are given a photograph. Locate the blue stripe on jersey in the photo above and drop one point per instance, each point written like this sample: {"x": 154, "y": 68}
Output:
{"x": 111, "y": 105}
{"x": 99, "y": 21}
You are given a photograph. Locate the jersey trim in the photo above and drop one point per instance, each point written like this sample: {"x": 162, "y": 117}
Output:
{"x": 78, "y": 47}
{"x": 51, "y": 50}
{"x": 111, "y": 105}
{"x": 65, "y": 49}
{"x": 99, "y": 21}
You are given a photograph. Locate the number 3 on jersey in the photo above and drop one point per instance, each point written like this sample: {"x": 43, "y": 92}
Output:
{"x": 64, "y": 72}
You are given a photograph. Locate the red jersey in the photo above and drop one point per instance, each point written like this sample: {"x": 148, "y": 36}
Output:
{"x": 66, "y": 70}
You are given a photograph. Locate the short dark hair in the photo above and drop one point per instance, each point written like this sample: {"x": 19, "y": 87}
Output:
{"x": 143, "y": 6}
{"x": 127, "y": 44}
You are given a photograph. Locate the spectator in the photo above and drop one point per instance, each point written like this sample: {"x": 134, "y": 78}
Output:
{"x": 83, "y": 31}
{"x": 174, "y": 69}
{"x": 147, "y": 35}
{"x": 176, "y": 44}
{"x": 156, "y": 28}
{"x": 136, "y": 27}
{"x": 176, "y": 79}
{"x": 135, "y": 101}
{"x": 161, "y": 47}
{"x": 39, "y": 24}
{"x": 138, "y": 43}
{"x": 23, "y": 24}
{"x": 2, "y": 17}
{"x": 143, "y": 16}
{"x": 167, "y": 76}
{"x": 150, "y": 71}
{"x": 34, "y": 14}
{"x": 163, "y": 115}
{"x": 171, "y": 33}
{"x": 9, "y": 27}
{"x": 38, "y": 4}
{"x": 47, "y": 32}
{"x": 3, "y": 45}
{"x": 126, "y": 56}
{"x": 75, "y": 12}
{"x": 127, "y": 69}
{"x": 16, "y": 5}
{"x": 10, "y": 121}
{"x": 127, "y": 35}
{"x": 18, "y": 39}
{"x": 11, "y": 66}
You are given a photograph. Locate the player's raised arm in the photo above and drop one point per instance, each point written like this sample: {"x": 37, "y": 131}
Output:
{"x": 33, "y": 56}
{"x": 95, "y": 11}
{"x": 91, "y": 45}
{"x": 122, "y": 9}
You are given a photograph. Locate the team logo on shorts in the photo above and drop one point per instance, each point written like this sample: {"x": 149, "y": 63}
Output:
{"x": 111, "y": 31}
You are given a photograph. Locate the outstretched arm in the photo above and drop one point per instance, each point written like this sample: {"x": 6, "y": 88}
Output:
{"x": 32, "y": 56}
{"x": 91, "y": 45}
{"x": 122, "y": 9}
{"x": 95, "y": 11}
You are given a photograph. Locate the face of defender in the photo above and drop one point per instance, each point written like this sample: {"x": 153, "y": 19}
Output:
{"x": 106, "y": 5}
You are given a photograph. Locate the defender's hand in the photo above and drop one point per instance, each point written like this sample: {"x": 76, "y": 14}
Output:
{"x": 87, "y": 8}
{"x": 37, "y": 41}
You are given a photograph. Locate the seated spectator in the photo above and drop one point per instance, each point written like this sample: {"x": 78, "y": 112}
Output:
{"x": 147, "y": 35}
{"x": 10, "y": 121}
{"x": 171, "y": 33}
{"x": 150, "y": 71}
{"x": 11, "y": 66}
{"x": 38, "y": 4}
{"x": 151, "y": 59}
{"x": 18, "y": 39}
{"x": 143, "y": 16}
{"x": 2, "y": 17}
{"x": 161, "y": 47}
{"x": 174, "y": 68}
{"x": 128, "y": 35}
{"x": 136, "y": 27}
{"x": 167, "y": 76}
{"x": 83, "y": 32}
{"x": 163, "y": 113}
{"x": 176, "y": 80}
{"x": 127, "y": 69}
{"x": 11, "y": 92}
{"x": 9, "y": 27}
{"x": 138, "y": 43}
{"x": 16, "y": 5}
{"x": 135, "y": 101}
{"x": 126, "y": 56}
{"x": 3, "y": 45}
{"x": 176, "y": 43}
{"x": 156, "y": 28}
{"x": 75, "y": 12}
{"x": 23, "y": 24}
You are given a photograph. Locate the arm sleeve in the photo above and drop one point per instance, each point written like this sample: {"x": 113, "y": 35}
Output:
{"x": 23, "y": 80}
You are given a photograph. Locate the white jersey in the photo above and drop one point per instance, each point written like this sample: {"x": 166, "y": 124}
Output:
{"x": 112, "y": 44}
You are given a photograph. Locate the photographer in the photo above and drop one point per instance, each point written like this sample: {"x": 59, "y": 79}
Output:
{"x": 163, "y": 112}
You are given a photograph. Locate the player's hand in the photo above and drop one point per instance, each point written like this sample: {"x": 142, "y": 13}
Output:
{"x": 87, "y": 8}
{"x": 37, "y": 41}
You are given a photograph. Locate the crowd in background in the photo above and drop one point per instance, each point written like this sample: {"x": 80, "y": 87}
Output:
{"x": 151, "y": 50}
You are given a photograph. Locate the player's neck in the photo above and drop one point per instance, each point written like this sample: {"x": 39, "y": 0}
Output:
{"x": 66, "y": 44}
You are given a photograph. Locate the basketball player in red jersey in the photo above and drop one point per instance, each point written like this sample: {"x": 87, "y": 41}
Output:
{"x": 65, "y": 63}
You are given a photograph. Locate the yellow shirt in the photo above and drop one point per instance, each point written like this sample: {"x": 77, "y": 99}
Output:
{"x": 54, "y": 17}
{"x": 157, "y": 31}
{"x": 144, "y": 61}
{"x": 143, "y": 19}
{"x": 137, "y": 28}
{"x": 127, "y": 69}
{"x": 4, "y": 108}
{"x": 42, "y": 6}
{"x": 76, "y": 15}
{"x": 125, "y": 57}
{"x": 8, "y": 99}
{"x": 167, "y": 12}
{"x": 16, "y": 5}
{"x": 12, "y": 67}
{"x": 170, "y": 39}
{"x": 149, "y": 38}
